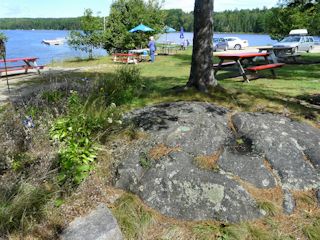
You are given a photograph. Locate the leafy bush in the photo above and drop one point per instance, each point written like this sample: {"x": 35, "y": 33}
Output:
{"x": 123, "y": 86}
{"x": 75, "y": 133}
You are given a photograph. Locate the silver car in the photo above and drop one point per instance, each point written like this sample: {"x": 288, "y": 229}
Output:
{"x": 220, "y": 44}
{"x": 297, "y": 43}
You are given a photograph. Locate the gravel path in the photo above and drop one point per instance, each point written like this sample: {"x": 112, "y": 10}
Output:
{"x": 23, "y": 84}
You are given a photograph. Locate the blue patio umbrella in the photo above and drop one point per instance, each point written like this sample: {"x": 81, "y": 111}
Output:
{"x": 181, "y": 33}
{"x": 141, "y": 28}
{"x": 168, "y": 29}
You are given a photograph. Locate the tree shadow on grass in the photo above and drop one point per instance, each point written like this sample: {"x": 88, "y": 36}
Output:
{"x": 298, "y": 71}
{"x": 184, "y": 58}
{"x": 234, "y": 93}
{"x": 310, "y": 98}
{"x": 241, "y": 95}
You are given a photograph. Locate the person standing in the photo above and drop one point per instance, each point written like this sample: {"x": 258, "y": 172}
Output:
{"x": 153, "y": 48}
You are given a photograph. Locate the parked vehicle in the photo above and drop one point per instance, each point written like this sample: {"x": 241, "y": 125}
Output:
{"x": 220, "y": 43}
{"x": 316, "y": 40}
{"x": 236, "y": 43}
{"x": 297, "y": 40}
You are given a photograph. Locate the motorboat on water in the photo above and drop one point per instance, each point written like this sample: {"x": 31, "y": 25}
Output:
{"x": 58, "y": 41}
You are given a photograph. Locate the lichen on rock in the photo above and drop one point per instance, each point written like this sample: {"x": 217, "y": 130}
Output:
{"x": 264, "y": 150}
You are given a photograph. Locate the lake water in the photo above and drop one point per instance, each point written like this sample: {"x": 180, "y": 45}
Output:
{"x": 24, "y": 43}
{"x": 254, "y": 39}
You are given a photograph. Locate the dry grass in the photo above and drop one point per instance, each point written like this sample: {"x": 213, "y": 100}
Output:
{"x": 208, "y": 162}
{"x": 230, "y": 122}
{"x": 300, "y": 225}
{"x": 306, "y": 200}
{"x": 270, "y": 200}
{"x": 162, "y": 150}
{"x": 273, "y": 195}
{"x": 131, "y": 133}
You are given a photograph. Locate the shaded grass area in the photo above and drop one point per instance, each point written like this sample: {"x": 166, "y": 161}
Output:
{"x": 172, "y": 71}
{"x": 294, "y": 81}
{"x": 297, "y": 81}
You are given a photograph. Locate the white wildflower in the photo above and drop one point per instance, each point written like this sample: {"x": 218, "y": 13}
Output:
{"x": 109, "y": 120}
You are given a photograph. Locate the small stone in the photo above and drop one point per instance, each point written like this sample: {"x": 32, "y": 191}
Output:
{"x": 289, "y": 203}
{"x": 263, "y": 212}
{"x": 265, "y": 182}
{"x": 99, "y": 224}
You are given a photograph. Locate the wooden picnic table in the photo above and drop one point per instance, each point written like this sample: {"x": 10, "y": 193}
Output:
{"x": 270, "y": 50}
{"x": 142, "y": 54}
{"x": 238, "y": 58}
{"x": 125, "y": 58}
{"x": 28, "y": 63}
{"x": 168, "y": 49}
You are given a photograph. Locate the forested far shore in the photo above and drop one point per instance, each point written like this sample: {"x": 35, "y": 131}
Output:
{"x": 248, "y": 21}
{"x": 245, "y": 20}
{"x": 40, "y": 23}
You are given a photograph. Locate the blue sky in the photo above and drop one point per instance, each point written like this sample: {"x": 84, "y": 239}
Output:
{"x": 74, "y": 8}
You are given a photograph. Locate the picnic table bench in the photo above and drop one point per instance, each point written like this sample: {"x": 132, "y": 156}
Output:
{"x": 125, "y": 58}
{"x": 224, "y": 64}
{"x": 238, "y": 58}
{"x": 270, "y": 66}
{"x": 28, "y": 63}
{"x": 168, "y": 50}
{"x": 289, "y": 57}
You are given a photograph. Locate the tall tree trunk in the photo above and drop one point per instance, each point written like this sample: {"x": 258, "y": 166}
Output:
{"x": 202, "y": 74}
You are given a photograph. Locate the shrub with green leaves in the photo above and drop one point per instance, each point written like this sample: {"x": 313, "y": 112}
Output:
{"x": 123, "y": 86}
{"x": 77, "y": 133}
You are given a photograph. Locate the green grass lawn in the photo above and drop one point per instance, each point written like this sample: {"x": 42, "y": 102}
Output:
{"x": 294, "y": 81}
